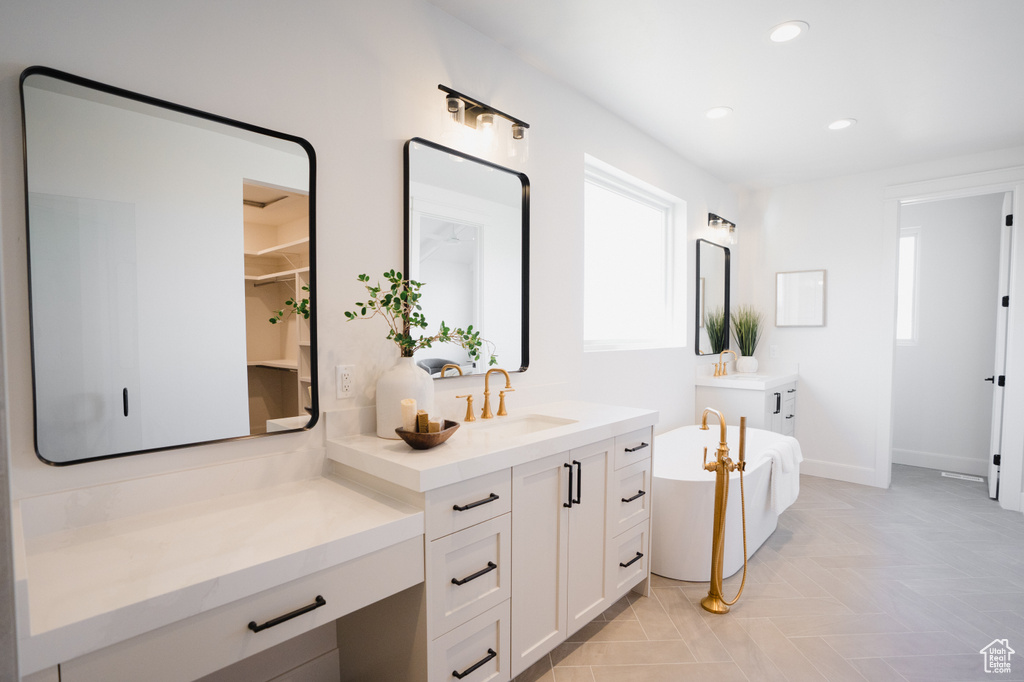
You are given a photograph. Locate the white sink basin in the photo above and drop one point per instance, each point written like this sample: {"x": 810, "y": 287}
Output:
{"x": 519, "y": 425}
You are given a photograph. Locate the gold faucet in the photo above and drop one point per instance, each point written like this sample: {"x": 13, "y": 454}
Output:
{"x": 715, "y": 601}
{"x": 720, "y": 370}
{"x": 470, "y": 417}
{"x": 486, "y": 412}
{"x": 455, "y": 367}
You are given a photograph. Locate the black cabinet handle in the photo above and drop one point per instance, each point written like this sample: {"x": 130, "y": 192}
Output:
{"x": 320, "y": 601}
{"x": 491, "y": 498}
{"x": 579, "y": 482}
{"x": 632, "y": 561}
{"x": 992, "y": 379}
{"x": 569, "y": 503}
{"x": 790, "y": 416}
{"x": 792, "y": 390}
{"x": 490, "y": 567}
{"x": 778, "y": 403}
{"x": 639, "y": 494}
{"x": 491, "y": 653}
{"x": 638, "y": 447}
{"x": 124, "y": 400}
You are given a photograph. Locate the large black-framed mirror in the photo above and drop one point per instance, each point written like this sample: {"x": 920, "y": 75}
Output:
{"x": 161, "y": 242}
{"x": 467, "y": 238}
{"x": 712, "y": 304}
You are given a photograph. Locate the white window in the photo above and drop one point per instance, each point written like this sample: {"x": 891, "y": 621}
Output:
{"x": 906, "y": 286}
{"x": 634, "y": 291}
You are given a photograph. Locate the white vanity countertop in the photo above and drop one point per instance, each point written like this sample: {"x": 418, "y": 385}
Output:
{"x": 95, "y": 585}
{"x": 485, "y": 446}
{"x": 749, "y": 382}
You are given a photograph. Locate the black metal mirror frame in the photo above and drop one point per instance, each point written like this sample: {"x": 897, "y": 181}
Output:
{"x": 698, "y": 307}
{"x": 314, "y": 408}
{"x": 525, "y": 359}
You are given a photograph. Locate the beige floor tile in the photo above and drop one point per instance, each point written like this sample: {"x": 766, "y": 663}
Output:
{"x": 825, "y": 659}
{"x": 681, "y": 672}
{"x": 579, "y": 674}
{"x": 610, "y": 631}
{"x": 876, "y": 670}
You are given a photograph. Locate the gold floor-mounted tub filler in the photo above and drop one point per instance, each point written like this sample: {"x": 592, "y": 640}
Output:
{"x": 715, "y": 602}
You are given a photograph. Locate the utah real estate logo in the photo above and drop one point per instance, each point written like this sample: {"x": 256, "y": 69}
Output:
{"x": 997, "y": 656}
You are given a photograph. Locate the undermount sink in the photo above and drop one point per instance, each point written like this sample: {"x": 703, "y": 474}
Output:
{"x": 518, "y": 425}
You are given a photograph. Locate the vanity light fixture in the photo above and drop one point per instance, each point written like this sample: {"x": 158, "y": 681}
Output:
{"x": 484, "y": 118}
{"x": 841, "y": 124}
{"x": 723, "y": 228}
{"x": 788, "y": 30}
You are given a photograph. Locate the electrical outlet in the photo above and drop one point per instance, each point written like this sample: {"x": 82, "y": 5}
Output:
{"x": 773, "y": 351}
{"x": 344, "y": 377}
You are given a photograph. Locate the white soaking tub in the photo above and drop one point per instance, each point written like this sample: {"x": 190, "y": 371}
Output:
{"x": 684, "y": 499}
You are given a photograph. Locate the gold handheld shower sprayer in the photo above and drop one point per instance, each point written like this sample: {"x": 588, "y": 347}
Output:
{"x": 715, "y": 601}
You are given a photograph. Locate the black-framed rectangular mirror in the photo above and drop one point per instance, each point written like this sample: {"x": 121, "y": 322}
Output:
{"x": 712, "y": 305}
{"x": 467, "y": 239}
{"x": 161, "y": 242}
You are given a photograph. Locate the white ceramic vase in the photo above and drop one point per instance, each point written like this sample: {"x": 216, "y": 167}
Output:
{"x": 404, "y": 380}
{"x": 746, "y": 364}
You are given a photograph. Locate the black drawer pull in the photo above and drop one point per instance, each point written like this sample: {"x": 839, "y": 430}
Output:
{"x": 579, "y": 482}
{"x": 632, "y": 561}
{"x": 124, "y": 400}
{"x": 639, "y": 494}
{"x": 491, "y": 653}
{"x": 790, "y": 416}
{"x": 320, "y": 601}
{"x": 638, "y": 447}
{"x": 490, "y": 567}
{"x": 569, "y": 503}
{"x": 492, "y": 498}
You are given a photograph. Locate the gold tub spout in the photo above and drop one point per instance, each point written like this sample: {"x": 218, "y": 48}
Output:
{"x": 721, "y": 358}
{"x": 715, "y": 602}
{"x": 486, "y": 412}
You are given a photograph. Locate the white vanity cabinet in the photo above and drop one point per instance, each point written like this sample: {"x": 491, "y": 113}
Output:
{"x": 767, "y": 401}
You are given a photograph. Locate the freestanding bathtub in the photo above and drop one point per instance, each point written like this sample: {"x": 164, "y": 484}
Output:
{"x": 684, "y": 501}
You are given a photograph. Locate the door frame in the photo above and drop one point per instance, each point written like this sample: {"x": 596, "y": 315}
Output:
{"x": 988, "y": 182}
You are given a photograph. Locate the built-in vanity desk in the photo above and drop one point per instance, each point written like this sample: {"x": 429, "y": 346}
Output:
{"x": 768, "y": 401}
{"x": 159, "y": 578}
{"x": 535, "y": 524}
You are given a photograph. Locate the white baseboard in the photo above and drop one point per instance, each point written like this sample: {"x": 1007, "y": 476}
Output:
{"x": 839, "y": 472}
{"x": 935, "y": 460}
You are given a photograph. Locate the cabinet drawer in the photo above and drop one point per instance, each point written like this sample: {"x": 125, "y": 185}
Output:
{"x": 209, "y": 641}
{"x": 630, "y": 499}
{"x": 482, "y": 642}
{"x": 633, "y": 447}
{"x": 467, "y": 503}
{"x": 628, "y": 559}
{"x": 478, "y": 559}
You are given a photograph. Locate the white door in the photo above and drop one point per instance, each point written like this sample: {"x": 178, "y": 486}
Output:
{"x": 587, "y": 533}
{"x": 540, "y": 534}
{"x": 999, "y": 369}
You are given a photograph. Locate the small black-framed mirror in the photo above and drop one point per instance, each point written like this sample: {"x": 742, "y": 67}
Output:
{"x": 467, "y": 239}
{"x": 162, "y": 240}
{"x": 712, "y": 304}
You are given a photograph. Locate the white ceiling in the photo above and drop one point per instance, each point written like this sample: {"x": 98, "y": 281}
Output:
{"x": 925, "y": 79}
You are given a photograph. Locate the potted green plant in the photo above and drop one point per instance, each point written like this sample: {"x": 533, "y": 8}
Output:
{"x": 397, "y": 303}
{"x": 746, "y": 329}
{"x": 714, "y": 327}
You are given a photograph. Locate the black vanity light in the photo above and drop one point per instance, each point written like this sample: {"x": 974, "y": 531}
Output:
{"x": 476, "y": 114}
{"x": 723, "y": 227}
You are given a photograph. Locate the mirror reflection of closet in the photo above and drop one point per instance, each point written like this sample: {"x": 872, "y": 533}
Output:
{"x": 712, "y": 291}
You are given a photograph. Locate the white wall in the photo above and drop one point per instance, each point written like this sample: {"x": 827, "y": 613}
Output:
{"x": 942, "y": 409}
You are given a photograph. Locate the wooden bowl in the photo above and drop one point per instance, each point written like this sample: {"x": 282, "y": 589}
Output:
{"x": 425, "y": 441}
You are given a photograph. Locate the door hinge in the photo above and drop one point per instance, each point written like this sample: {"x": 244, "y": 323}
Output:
{"x": 996, "y": 459}
{"x": 1009, "y": 220}
{"x": 1006, "y": 301}
{"x": 1002, "y": 380}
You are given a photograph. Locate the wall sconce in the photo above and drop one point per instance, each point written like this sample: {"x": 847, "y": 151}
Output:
{"x": 724, "y": 229}
{"x": 462, "y": 109}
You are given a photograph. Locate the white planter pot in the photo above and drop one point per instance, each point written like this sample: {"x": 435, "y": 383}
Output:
{"x": 404, "y": 380}
{"x": 746, "y": 364}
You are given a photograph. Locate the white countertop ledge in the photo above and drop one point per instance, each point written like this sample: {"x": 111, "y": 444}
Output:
{"x": 96, "y": 585}
{"x": 473, "y": 451}
{"x": 749, "y": 382}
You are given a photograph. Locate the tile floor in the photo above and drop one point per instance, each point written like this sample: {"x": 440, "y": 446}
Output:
{"x": 857, "y": 583}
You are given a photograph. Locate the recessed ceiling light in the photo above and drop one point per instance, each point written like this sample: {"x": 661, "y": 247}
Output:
{"x": 788, "y": 31}
{"x": 841, "y": 124}
{"x": 718, "y": 112}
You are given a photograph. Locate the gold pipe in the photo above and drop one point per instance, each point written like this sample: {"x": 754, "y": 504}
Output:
{"x": 715, "y": 602}
{"x": 486, "y": 412}
{"x": 455, "y": 367}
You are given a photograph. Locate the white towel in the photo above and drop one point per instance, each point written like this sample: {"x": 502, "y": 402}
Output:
{"x": 785, "y": 484}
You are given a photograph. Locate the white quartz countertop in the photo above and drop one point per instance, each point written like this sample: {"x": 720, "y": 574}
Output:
{"x": 485, "y": 446}
{"x": 91, "y": 586}
{"x": 748, "y": 382}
